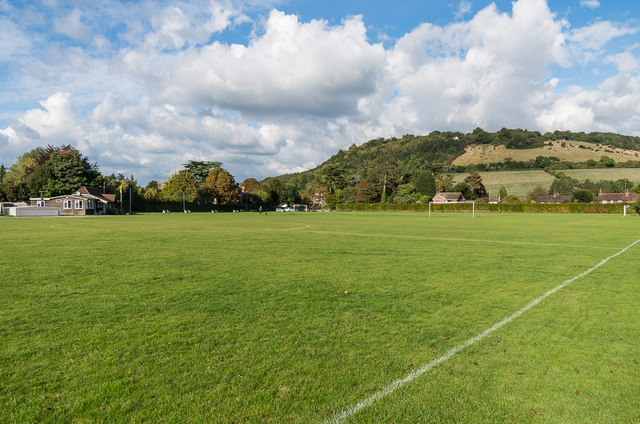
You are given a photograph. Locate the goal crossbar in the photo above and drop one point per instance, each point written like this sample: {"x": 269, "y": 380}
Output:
{"x": 473, "y": 206}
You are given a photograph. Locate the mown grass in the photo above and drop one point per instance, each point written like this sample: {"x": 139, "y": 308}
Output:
{"x": 632, "y": 174}
{"x": 293, "y": 317}
{"x": 515, "y": 182}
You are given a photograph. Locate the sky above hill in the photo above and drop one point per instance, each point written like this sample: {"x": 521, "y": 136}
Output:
{"x": 275, "y": 86}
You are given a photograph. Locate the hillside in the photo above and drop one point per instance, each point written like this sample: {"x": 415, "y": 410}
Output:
{"x": 394, "y": 165}
{"x": 564, "y": 151}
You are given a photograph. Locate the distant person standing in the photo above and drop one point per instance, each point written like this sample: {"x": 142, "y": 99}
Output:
{"x": 260, "y": 209}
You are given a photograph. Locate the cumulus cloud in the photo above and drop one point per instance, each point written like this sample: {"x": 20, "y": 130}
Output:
{"x": 294, "y": 68}
{"x": 484, "y": 72}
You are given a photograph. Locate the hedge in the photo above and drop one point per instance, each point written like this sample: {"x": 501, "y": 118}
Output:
{"x": 150, "y": 206}
{"x": 615, "y": 208}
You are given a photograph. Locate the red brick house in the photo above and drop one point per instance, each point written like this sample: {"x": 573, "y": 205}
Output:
{"x": 448, "y": 197}
{"x": 625, "y": 197}
{"x": 554, "y": 198}
{"x": 85, "y": 201}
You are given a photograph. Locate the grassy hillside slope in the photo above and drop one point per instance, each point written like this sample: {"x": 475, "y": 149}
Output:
{"x": 569, "y": 151}
{"x": 516, "y": 182}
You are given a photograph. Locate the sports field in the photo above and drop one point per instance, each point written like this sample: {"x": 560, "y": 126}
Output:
{"x": 299, "y": 318}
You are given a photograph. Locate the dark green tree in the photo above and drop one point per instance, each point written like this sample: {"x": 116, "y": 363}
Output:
{"x": 334, "y": 177}
{"x": 474, "y": 182}
{"x": 562, "y": 186}
{"x": 426, "y": 184}
{"x": 532, "y": 195}
{"x": 70, "y": 170}
{"x": 502, "y": 192}
{"x": 200, "y": 169}
{"x": 636, "y": 205}
{"x": 291, "y": 194}
{"x": 463, "y": 188}
{"x": 606, "y": 162}
{"x": 38, "y": 180}
{"x": 582, "y": 195}
{"x": 384, "y": 174}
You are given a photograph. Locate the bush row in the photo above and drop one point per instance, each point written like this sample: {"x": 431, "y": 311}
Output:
{"x": 615, "y": 208}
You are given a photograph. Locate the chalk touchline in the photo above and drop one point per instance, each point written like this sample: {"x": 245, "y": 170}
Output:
{"x": 348, "y": 413}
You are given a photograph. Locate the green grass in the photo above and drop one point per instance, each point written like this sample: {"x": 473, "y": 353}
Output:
{"x": 516, "y": 182}
{"x": 632, "y": 174}
{"x": 293, "y": 317}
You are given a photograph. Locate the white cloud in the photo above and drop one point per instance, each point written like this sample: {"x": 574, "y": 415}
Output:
{"x": 626, "y": 62}
{"x": 464, "y": 7}
{"x": 596, "y": 36}
{"x": 294, "y": 68}
{"x": 71, "y": 26}
{"x": 484, "y": 72}
{"x": 592, "y": 4}
{"x": 612, "y": 106}
{"x": 13, "y": 42}
{"x": 179, "y": 25}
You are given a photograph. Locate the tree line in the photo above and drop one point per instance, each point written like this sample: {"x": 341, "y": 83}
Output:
{"x": 58, "y": 170}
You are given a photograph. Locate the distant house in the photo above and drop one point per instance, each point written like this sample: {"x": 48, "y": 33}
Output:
{"x": 554, "y": 198}
{"x": 625, "y": 197}
{"x": 85, "y": 201}
{"x": 448, "y": 197}
{"x": 493, "y": 200}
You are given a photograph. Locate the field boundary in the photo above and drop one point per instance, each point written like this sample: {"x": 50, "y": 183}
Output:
{"x": 397, "y": 384}
{"x": 615, "y": 208}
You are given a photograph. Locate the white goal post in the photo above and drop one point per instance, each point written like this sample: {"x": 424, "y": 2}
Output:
{"x": 473, "y": 206}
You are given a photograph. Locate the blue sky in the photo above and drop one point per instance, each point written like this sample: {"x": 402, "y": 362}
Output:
{"x": 275, "y": 86}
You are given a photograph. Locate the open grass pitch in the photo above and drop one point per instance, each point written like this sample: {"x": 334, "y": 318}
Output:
{"x": 295, "y": 318}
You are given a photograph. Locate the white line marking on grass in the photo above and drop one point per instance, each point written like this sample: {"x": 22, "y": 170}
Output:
{"x": 348, "y": 413}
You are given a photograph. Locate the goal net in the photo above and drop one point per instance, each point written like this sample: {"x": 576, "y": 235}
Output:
{"x": 466, "y": 206}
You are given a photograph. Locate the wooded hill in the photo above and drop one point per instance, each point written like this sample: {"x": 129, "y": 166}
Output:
{"x": 440, "y": 152}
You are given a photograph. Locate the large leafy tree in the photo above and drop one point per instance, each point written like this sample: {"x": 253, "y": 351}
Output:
{"x": 562, "y": 186}
{"x": 366, "y": 192}
{"x": 532, "y": 195}
{"x": 291, "y": 194}
{"x": 70, "y": 170}
{"x": 426, "y": 184}
{"x": 183, "y": 182}
{"x": 53, "y": 170}
{"x": 582, "y": 196}
{"x": 474, "y": 183}
{"x": 220, "y": 185}
{"x": 270, "y": 192}
{"x": 251, "y": 185}
{"x": 334, "y": 177}
{"x": 384, "y": 174}
{"x": 201, "y": 169}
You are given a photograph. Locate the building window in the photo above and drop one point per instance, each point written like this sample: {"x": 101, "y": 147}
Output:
{"x": 79, "y": 204}
{"x": 40, "y": 203}
{"x": 67, "y": 204}
{"x": 90, "y": 204}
